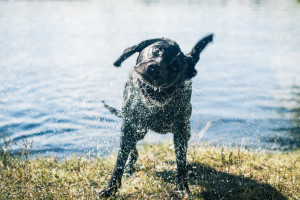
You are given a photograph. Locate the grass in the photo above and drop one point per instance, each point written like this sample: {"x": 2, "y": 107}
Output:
{"x": 214, "y": 173}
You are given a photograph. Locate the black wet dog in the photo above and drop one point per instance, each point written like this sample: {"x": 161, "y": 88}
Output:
{"x": 157, "y": 97}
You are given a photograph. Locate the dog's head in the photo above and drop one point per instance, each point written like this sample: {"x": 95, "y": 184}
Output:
{"x": 161, "y": 63}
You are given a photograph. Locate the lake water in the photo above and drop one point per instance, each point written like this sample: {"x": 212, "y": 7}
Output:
{"x": 56, "y": 66}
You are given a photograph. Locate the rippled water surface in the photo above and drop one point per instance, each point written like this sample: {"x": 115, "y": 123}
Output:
{"x": 56, "y": 66}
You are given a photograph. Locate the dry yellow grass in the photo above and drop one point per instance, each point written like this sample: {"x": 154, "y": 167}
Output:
{"x": 214, "y": 173}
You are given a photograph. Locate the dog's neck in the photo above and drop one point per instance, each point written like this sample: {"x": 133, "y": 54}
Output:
{"x": 159, "y": 96}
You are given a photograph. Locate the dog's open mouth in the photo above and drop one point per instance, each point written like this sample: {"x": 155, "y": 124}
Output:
{"x": 146, "y": 79}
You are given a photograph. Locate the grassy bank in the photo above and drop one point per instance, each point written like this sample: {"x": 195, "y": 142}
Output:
{"x": 214, "y": 173}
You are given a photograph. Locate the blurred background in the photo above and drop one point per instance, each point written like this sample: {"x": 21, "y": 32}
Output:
{"x": 56, "y": 66}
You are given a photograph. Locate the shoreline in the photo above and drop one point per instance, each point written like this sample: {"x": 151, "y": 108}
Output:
{"x": 214, "y": 173}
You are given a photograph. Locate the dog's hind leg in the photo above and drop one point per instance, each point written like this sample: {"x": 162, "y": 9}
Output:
{"x": 133, "y": 156}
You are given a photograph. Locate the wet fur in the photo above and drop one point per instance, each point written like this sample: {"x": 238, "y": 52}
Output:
{"x": 157, "y": 97}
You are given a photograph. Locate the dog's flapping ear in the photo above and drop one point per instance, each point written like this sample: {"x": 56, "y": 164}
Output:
{"x": 193, "y": 57}
{"x": 136, "y": 48}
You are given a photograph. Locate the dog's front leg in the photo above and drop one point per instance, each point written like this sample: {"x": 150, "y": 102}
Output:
{"x": 181, "y": 138}
{"x": 127, "y": 143}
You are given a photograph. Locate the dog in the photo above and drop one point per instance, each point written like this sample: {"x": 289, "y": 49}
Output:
{"x": 157, "y": 97}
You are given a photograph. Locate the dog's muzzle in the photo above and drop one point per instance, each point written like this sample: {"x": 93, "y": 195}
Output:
{"x": 154, "y": 71}
{"x": 150, "y": 72}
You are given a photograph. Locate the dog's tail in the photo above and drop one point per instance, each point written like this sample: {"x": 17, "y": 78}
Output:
{"x": 114, "y": 111}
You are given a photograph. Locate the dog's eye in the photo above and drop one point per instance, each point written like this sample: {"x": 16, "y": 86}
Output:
{"x": 174, "y": 69}
{"x": 156, "y": 51}
{"x": 174, "y": 66}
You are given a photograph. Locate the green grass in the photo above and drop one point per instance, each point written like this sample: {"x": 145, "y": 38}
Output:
{"x": 214, "y": 173}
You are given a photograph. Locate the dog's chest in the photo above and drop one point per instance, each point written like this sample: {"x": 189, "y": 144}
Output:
{"x": 156, "y": 117}
{"x": 145, "y": 113}
{"x": 162, "y": 119}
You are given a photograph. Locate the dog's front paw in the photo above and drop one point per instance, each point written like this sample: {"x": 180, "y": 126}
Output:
{"x": 181, "y": 194}
{"x": 107, "y": 192}
{"x": 182, "y": 191}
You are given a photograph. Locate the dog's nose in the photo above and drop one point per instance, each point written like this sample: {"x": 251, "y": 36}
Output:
{"x": 153, "y": 70}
